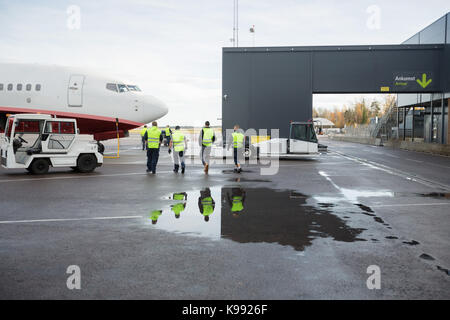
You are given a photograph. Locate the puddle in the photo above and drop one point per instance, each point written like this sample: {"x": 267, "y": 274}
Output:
{"x": 446, "y": 271}
{"x": 252, "y": 215}
{"x": 412, "y": 242}
{"x": 426, "y": 257}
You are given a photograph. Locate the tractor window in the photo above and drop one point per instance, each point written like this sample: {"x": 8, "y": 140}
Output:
{"x": 27, "y": 127}
{"x": 312, "y": 134}
{"x": 60, "y": 142}
{"x": 299, "y": 132}
{"x": 60, "y": 127}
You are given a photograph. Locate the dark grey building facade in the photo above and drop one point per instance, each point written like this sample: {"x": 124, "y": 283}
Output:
{"x": 430, "y": 110}
{"x": 267, "y": 87}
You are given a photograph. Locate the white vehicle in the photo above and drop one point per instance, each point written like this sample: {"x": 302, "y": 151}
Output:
{"x": 302, "y": 143}
{"x": 94, "y": 99}
{"x": 37, "y": 141}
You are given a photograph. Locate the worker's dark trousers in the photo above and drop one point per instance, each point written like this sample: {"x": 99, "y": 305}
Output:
{"x": 144, "y": 143}
{"x": 235, "y": 156}
{"x": 152, "y": 159}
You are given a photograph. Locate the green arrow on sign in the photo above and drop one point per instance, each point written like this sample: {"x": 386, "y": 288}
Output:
{"x": 424, "y": 83}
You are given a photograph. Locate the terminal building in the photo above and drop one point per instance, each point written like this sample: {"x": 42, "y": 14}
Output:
{"x": 426, "y": 114}
{"x": 268, "y": 87}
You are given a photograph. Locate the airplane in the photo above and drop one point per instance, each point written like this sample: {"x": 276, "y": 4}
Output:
{"x": 93, "y": 99}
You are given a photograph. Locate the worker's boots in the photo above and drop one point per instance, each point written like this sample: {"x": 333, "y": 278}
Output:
{"x": 177, "y": 166}
{"x": 182, "y": 169}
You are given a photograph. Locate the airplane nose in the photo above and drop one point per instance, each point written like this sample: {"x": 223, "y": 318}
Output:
{"x": 154, "y": 108}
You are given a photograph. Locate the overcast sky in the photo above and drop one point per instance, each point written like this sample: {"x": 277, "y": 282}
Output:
{"x": 172, "y": 48}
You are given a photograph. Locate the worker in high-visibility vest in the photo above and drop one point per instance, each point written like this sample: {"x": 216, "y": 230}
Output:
{"x": 206, "y": 203}
{"x": 144, "y": 142}
{"x": 154, "y": 215}
{"x": 180, "y": 206}
{"x": 179, "y": 146}
{"x": 154, "y": 138}
{"x": 206, "y": 139}
{"x": 167, "y": 135}
{"x": 236, "y": 201}
{"x": 238, "y": 143}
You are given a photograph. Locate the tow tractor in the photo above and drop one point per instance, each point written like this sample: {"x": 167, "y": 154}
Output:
{"x": 302, "y": 143}
{"x": 37, "y": 141}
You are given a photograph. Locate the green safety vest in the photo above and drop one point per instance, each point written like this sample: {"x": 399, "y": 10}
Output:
{"x": 143, "y": 131}
{"x": 178, "y": 208}
{"x": 154, "y": 215}
{"x": 178, "y": 141}
{"x": 207, "y": 204}
{"x": 153, "y": 135}
{"x": 237, "y": 204}
{"x": 208, "y": 134}
{"x": 238, "y": 140}
{"x": 167, "y": 130}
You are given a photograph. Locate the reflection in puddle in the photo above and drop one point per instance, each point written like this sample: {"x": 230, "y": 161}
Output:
{"x": 252, "y": 215}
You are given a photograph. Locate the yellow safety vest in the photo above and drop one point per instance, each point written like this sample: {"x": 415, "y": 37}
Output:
{"x": 178, "y": 196}
{"x": 238, "y": 140}
{"x": 237, "y": 204}
{"x": 207, "y": 204}
{"x": 154, "y": 215}
{"x": 178, "y": 208}
{"x": 143, "y": 131}
{"x": 208, "y": 134}
{"x": 167, "y": 130}
{"x": 178, "y": 141}
{"x": 153, "y": 135}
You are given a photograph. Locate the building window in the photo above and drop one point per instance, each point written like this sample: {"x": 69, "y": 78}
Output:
{"x": 1, "y": 86}
{"x": 111, "y": 86}
{"x": 19, "y": 87}
{"x": 28, "y": 87}
{"x": 38, "y": 87}
{"x": 10, "y": 87}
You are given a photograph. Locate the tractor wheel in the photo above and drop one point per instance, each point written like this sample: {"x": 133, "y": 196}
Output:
{"x": 87, "y": 163}
{"x": 39, "y": 166}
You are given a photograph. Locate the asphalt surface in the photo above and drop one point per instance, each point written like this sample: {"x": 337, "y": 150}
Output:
{"x": 308, "y": 232}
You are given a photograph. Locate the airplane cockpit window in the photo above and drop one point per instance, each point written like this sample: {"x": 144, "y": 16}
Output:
{"x": 28, "y": 87}
{"x": 19, "y": 87}
{"x": 122, "y": 88}
{"x": 111, "y": 86}
{"x": 10, "y": 87}
{"x": 133, "y": 87}
{"x": 1, "y": 86}
{"x": 38, "y": 87}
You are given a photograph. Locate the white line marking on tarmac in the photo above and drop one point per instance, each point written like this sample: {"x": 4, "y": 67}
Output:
{"x": 82, "y": 177}
{"x": 70, "y": 219}
{"x": 403, "y": 205}
{"x": 414, "y": 160}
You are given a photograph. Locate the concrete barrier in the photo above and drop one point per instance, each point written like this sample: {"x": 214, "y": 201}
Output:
{"x": 442, "y": 149}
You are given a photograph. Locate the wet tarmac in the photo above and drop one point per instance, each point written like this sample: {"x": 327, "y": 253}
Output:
{"x": 309, "y": 231}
